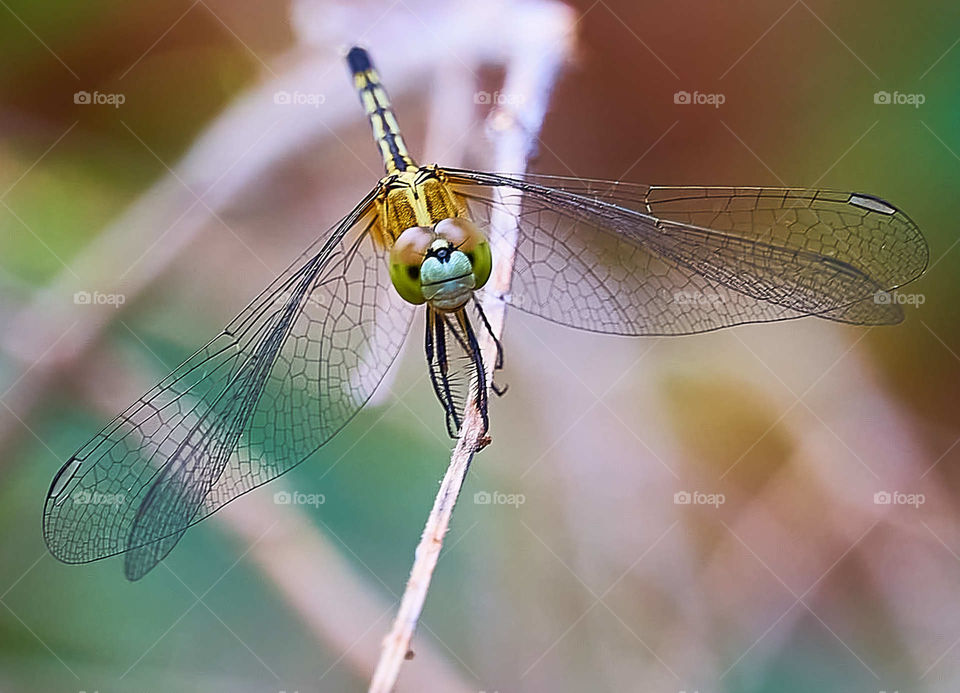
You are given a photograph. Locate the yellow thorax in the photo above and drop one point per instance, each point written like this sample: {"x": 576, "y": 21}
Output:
{"x": 416, "y": 197}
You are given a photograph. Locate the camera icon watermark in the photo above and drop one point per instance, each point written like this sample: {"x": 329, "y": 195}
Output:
{"x": 899, "y": 299}
{"x": 499, "y": 498}
{"x": 497, "y": 98}
{"x": 97, "y": 298}
{"x": 899, "y": 498}
{"x": 298, "y": 498}
{"x": 699, "y": 498}
{"x": 299, "y": 98}
{"x": 685, "y": 98}
{"x": 96, "y": 98}
{"x": 886, "y": 98}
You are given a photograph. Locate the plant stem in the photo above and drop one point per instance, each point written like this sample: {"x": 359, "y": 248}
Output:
{"x": 529, "y": 79}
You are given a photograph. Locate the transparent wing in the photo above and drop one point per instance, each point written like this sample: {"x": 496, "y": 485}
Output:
{"x": 280, "y": 381}
{"x": 632, "y": 259}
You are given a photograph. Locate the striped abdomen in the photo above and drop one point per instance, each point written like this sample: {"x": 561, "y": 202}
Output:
{"x": 374, "y": 98}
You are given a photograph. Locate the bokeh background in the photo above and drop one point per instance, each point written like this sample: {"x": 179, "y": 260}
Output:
{"x": 192, "y": 194}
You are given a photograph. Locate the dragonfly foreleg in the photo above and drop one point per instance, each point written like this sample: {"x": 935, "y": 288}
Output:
{"x": 493, "y": 336}
{"x": 473, "y": 350}
{"x": 497, "y": 390}
{"x": 438, "y": 366}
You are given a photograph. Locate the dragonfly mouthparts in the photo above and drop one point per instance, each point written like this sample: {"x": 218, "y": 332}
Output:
{"x": 447, "y": 279}
{"x": 442, "y": 253}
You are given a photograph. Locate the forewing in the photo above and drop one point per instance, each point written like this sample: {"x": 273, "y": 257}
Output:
{"x": 651, "y": 260}
{"x": 280, "y": 381}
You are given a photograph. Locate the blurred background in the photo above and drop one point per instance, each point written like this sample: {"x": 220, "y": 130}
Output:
{"x": 820, "y": 549}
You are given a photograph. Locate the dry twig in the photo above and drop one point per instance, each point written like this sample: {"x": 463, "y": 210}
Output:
{"x": 530, "y": 78}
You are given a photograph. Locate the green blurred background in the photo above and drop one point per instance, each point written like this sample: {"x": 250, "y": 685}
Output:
{"x": 799, "y": 581}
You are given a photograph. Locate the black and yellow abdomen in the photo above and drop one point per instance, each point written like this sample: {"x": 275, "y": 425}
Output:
{"x": 376, "y": 103}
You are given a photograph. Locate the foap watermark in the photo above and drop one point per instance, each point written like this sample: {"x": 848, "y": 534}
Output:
{"x": 499, "y": 498}
{"x": 299, "y": 98}
{"x": 98, "y": 298}
{"x": 285, "y": 299}
{"x": 899, "y": 299}
{"x": 699, "y": 498}
{"x": 97, "y": 98}
{"x": 699, "y": 98}
{"x": 899, "y": 498}
{"x": 97, "y": 498}
{"x": 696, "y": 298}
{"x": 498, "y": 98}
{"x": 298, "y": 498}
{"x": 897, "y": 98}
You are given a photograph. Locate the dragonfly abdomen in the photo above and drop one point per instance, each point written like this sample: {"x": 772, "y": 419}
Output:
{"x": 383, "y": 121}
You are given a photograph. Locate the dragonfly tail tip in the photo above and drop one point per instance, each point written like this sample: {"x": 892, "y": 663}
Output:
{"x": 359, "y": 60}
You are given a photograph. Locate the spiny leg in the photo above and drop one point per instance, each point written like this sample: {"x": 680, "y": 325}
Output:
{"x": 479, "y": 370}
{"x": 435, "y": 346}
{"x": 493, "y": 336}
{"x": 450, "y": 404}
{"x": 429, "y": 349}
{"x": 497, "y": 390}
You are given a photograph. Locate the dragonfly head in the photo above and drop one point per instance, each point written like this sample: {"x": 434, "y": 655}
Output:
{"x": 442, "y": 265}
{"x": 446, "y": 276}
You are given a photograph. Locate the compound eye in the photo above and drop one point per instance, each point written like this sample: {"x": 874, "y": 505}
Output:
{"x": 406, "y": 256}
{"x": 462, "y": 233}
{"x": 470, "y": 240}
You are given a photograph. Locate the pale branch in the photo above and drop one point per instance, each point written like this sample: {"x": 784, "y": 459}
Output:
{"x": 530, "y": 76}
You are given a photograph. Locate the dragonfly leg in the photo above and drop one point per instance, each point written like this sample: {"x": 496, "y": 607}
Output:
{"x": 440, "y": 327}
{"x": 479, "y": 370}
{"x": 437, "y": 363}
{"x": 497, "y": 390}
{"x": 493, "y": 336}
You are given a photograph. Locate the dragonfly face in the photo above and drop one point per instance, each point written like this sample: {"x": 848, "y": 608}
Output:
{"x": 440, "y": 266}
{"x": 446, "y": 276}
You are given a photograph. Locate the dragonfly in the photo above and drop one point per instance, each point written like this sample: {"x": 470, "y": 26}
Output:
{"x": 297, "y": 364}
